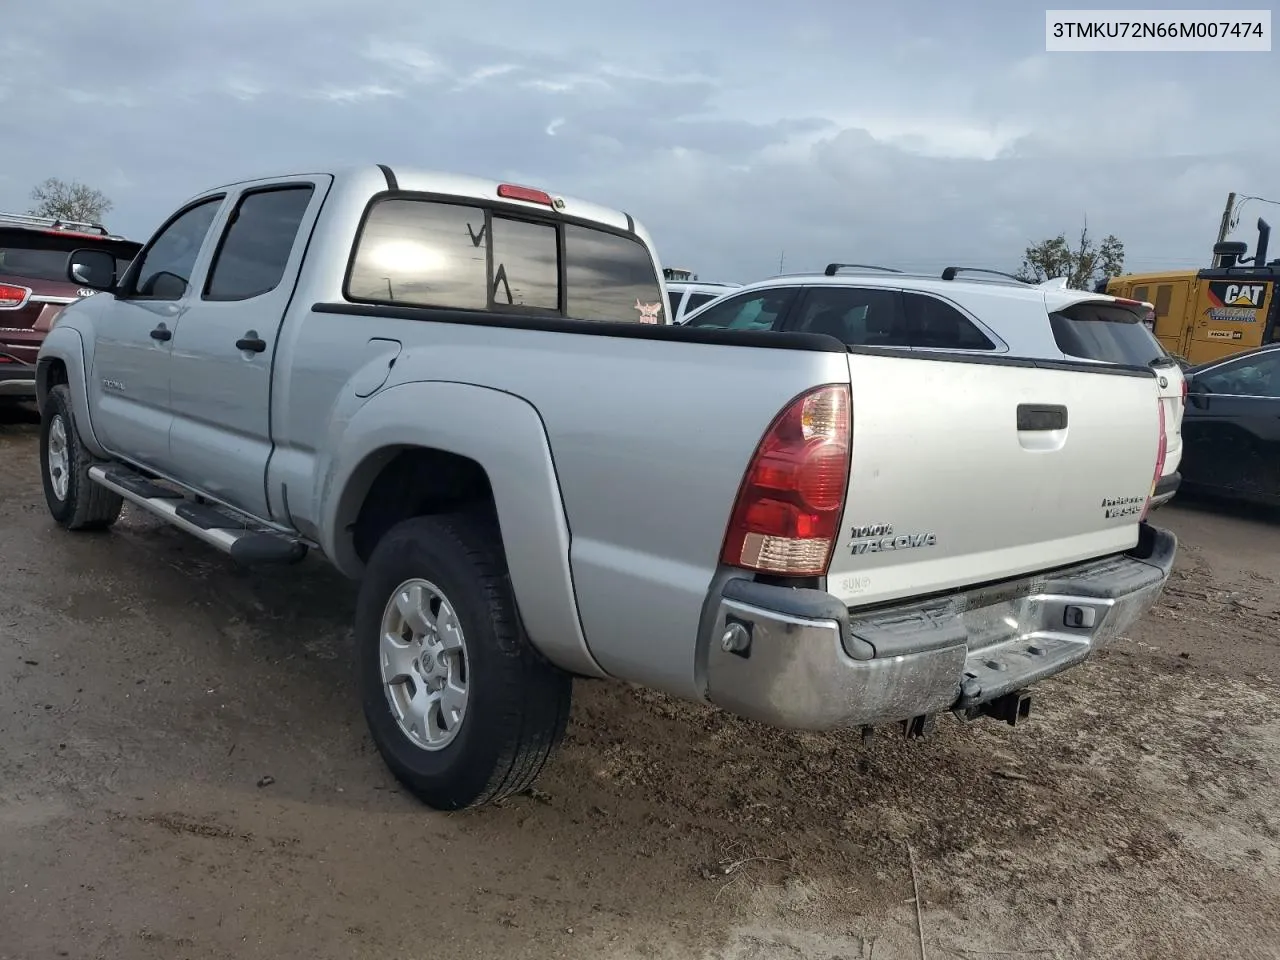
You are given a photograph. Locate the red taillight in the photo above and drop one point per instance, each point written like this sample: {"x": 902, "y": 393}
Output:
{"x": 510, "y": 191}
{"x": 1184, "y": 390}
{"x": 12, "y": 296}
{"x": 787, "y": 515}
{"x": 1162, "y": 450}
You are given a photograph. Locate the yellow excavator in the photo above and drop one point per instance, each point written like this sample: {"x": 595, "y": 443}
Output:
{"x": 1203, "y": 315}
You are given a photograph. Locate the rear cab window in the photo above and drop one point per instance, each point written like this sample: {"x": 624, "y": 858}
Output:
{"x": 42, "y": 254}
{"x": 1106, "y": 332}
{"x": 465, "y": 256}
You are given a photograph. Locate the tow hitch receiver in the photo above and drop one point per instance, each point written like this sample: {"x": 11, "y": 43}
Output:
{"x": 1011, "y": 708}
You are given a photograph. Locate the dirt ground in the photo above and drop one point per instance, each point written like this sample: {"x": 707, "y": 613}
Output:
{"x": 185, "y": 773}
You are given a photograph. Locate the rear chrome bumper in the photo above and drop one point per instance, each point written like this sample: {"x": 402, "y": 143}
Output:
{"x": 800, "y": 659}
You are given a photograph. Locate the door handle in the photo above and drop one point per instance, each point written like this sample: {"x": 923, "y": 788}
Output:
{"x": 1042, "y": 416}
{"x": 162, "y": 333}
{"x": 252, "y": 344}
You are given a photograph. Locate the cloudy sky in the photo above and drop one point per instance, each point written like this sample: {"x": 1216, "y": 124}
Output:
{"x": 918, "y": 134}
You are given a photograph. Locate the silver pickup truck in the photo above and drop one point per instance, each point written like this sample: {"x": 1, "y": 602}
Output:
{"x": 466, "y": 396}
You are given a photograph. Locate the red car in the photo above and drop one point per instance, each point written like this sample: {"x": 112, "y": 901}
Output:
{"x": 34, "y": 287}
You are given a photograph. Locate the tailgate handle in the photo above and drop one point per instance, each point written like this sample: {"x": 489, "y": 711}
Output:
{"x": 1042, "y": 416}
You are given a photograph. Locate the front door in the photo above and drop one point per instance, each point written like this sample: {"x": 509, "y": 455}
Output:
{"x": 134, "y": 336}
{"x": 222, "y": 354}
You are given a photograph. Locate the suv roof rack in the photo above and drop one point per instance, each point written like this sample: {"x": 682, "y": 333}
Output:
{"x": 950, "y": 274}
{"x": 834, "y": 268}
{"x": 53, "y": 223}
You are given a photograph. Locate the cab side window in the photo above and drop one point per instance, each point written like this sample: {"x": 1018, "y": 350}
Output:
{"x": 763, "y": 310}
{"x": 165, "y": 270}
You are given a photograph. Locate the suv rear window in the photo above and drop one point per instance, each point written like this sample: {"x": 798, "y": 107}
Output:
{"x": 1103, "y": 331}
{"x": 42, "y": 255}
{"x": 426, "y": 253}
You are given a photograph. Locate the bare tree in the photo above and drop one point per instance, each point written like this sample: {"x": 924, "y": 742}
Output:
{"x": 1083, "y": 265}
{"x": 69, "y": 201}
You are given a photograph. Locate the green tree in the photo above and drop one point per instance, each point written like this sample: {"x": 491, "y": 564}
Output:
{"x": 69, "y": 201}
{"x": 1083, "y": 265}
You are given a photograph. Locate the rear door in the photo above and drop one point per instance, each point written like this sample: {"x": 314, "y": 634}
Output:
{"x": 133, "y": 338}
{"x": 222, "y": 353}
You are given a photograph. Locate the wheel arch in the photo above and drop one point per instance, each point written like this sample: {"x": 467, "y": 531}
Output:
{"x": 483, "y": 449}
{"x": 62, "y": 360}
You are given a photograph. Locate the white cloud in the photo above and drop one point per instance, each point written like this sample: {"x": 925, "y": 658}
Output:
{"x": 358, "y": 94}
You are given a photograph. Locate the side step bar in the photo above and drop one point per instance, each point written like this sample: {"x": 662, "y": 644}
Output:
{"x": 215, "y": 525}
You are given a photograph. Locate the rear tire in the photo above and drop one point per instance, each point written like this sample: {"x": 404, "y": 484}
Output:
{"x": 74, "y": 500}
{"x": 462, "y": 708}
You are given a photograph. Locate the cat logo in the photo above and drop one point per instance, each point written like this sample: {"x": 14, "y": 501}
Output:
{"x": 1237, "y": 294}
{"x": 1231, "y": 302}
{"x": 1224, "y": 335}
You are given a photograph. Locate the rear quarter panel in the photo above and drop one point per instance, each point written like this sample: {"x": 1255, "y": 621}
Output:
{"x": 649, "y": 441}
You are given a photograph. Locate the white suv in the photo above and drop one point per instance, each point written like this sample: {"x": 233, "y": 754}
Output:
{"x": 876, "y": 308}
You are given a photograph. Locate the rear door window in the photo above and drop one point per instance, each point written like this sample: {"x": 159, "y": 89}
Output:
{"x": 256, "y": 244}
{"x": 673, "y": 301}
{"x": 1105, "y": 332}
{"x": 760, "y": 310}
{"x": 857, "y": 316}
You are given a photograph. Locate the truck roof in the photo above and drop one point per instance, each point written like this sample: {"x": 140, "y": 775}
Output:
{"x": 380, "y": 177}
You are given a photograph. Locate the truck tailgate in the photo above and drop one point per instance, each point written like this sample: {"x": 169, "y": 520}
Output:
{"x": 946, "y": 490}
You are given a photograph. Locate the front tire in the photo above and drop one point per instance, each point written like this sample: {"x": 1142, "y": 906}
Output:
{"x": 462, "y": 708}
{"x": 74, "y": 500}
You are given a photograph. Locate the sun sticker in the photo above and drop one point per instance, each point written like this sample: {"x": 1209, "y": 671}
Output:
{"x": 648, "y": 311}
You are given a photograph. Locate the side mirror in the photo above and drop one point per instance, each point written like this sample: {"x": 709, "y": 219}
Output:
{"x": 92, "y": 268}
{"x": 1197, "y": 393}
